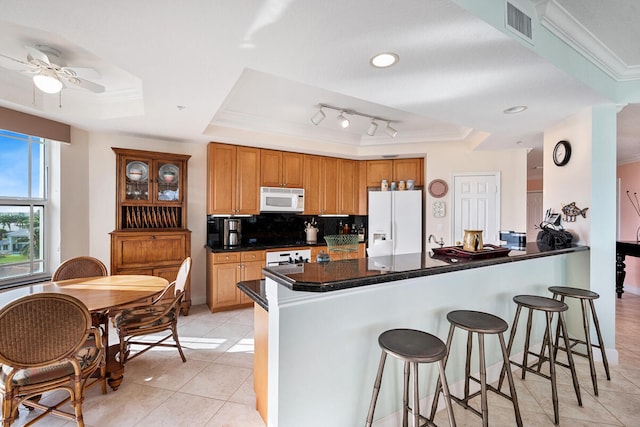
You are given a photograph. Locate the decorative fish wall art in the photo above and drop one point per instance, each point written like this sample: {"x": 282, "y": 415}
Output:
{"x": 571, "y": 212}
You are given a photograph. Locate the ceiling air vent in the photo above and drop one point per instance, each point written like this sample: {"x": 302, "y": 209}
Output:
{"x": 519, "y": 22}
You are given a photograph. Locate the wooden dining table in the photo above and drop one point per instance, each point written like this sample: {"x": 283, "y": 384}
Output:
{"x": 101, "y": 295}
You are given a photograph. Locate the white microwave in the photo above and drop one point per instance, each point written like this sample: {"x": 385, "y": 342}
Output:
{"x": 276, "y": 199}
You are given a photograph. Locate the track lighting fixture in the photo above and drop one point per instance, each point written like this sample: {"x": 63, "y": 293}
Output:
{"x": 318, "y": 117}
{"x": 373, "y": 127}
{"x": 344, "y": 122}
{"x": 391, "y": 131}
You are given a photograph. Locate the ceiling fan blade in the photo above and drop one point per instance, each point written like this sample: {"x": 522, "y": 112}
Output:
{"x": 81, "y": 72}
{"x": 84, "y": 84}
{"x": 12, "y": 63}
{"x": 38, "y": 55}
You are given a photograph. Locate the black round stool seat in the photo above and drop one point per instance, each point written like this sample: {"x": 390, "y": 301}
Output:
{"x": 540, "y": 303}
{"x": 477, "y": 321}
{"x": 412, "y": 345}
{"x": 573, "y": 292}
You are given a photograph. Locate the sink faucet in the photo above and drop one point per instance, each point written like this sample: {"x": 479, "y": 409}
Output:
{"x": 432, "y": 237}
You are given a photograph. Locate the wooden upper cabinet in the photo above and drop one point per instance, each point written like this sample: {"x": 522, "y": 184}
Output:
{"x": 234, "y": 179}
{"x": 329, "y": 185}
{"x": 248, "y": 181}
{"x": 151, "y": 190}
{"x": 348, "y": 184}
{"x": 395, "y": 170}
{"x": 312, "y": 185}
{"x": 405, "y": 169}
{"x": 377, "y": 170}
{"x": 281, "y": 169}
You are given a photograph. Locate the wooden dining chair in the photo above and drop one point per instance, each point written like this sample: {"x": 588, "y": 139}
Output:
{"x": 78, "y": 267}
{"x": 47, "y": 343}
{"x": 150, "y": 320}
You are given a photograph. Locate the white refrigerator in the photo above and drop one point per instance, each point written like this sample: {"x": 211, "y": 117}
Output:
{"x": 395, "y": 222}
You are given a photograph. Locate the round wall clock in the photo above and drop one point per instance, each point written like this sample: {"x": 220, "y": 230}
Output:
{"x": 562, "y": 153}
{"x": 438, "y": 188}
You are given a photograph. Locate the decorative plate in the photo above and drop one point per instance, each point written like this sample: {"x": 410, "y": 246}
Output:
{"x": 438, "y": 188}
{"x": 137, "y": 171}
{"x": 168, "y": 174}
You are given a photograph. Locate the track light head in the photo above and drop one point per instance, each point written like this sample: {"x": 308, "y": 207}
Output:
{"x": 373, "y": 127}
{"x": 391, "y": 131}
{"x": 343, "y": 121}
{"x": 318, "y": 117}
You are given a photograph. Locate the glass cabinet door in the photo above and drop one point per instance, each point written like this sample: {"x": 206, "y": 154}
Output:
{"x": 137, "y": 180}
{"x": 169, "y": 177}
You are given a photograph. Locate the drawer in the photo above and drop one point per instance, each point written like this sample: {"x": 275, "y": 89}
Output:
{"x": 222, "y": 258}
{"x": 253, "y": 256}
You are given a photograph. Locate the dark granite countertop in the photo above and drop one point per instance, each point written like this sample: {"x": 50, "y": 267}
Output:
{"x": 262, "y": 247}
{"x": 255, "y": 290}
{"x": 336, "y": 275}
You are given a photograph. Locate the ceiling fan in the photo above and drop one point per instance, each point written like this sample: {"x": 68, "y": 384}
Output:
{"x": 49, "y": 75}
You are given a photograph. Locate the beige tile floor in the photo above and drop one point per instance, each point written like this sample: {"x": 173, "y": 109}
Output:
{"x": 214, "y": 388}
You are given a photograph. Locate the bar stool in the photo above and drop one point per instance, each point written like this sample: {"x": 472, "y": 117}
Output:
{"x": 549, "y": 306}
{"x": 481, "y": 324}
{"x": 583, "y": 295}
{"x": 412, "y": 347}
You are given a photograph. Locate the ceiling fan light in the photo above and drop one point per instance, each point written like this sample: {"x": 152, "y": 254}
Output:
{"x": 373, "y": 127}
{"x": 47, "y": 83}
{"x": 318, "y": 117}
{"x": 391, "y": 131}
{"x": 344, "y": 122}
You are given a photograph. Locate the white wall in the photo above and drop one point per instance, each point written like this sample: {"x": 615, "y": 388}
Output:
{"x": 444, "y": 159}
{"x": 88, "y": 189}
{"x": 589, "y": 179}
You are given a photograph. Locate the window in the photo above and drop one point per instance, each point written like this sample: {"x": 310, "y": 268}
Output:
{"x": 22, "y": 206}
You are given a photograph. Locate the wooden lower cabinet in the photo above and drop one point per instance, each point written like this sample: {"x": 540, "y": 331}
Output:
{"x": 155, "y": 253}
{"x": 224, "y": 271}
{"x": 261, "y": 359}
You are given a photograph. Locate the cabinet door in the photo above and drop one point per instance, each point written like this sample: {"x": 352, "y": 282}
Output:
{"x": 137, "y": 177}
{"x": 405, "y": 169}
{"x": 225, "y": 279}
{"x": 169, "y": 179}
{"x": 271, "y": 168}
{"x": 248, "y": 181}
{"x": 251, "y": 270}
{"x": 377, "y": 170}
{"x": 330, "y": 185}
{"x": 150, "y": 249}
{"x": 312, "y": 184}
{"x": 348, "y": 187}
{"x": 221, "y": 167}
{"x": 292, "y": 167}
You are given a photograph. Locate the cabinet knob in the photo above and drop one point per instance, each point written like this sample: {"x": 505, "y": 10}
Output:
{"x": 153, "y": 237}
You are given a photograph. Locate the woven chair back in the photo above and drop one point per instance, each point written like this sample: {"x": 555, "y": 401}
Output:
{"x": 183, "y": 275}
{"x": 78, "y": 267}
{"x": 42, "y": 328}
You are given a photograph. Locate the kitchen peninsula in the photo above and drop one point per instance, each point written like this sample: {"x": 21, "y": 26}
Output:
{"x": 323, "y": 322}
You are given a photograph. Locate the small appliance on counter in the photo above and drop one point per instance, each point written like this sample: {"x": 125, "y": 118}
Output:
{"x": 513, "y": 240}
{"x": 232, "y": 232}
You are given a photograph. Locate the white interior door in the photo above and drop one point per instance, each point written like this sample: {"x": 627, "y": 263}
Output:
{"x": 476, "y": 205}
{"x": 534, "y": 214}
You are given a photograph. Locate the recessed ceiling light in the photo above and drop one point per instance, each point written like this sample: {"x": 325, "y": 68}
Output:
{"x": 383, "y": 60}
{"x": 516, "y": 109}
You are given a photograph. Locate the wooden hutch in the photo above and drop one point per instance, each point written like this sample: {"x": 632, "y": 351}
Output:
{"x": 151, "y": 235}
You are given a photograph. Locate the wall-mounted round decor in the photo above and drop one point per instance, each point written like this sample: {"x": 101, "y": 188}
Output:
{"x": 438, "y": 188}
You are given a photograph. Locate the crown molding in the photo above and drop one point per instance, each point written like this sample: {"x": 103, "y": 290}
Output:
{"x": 563, "y": 25}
